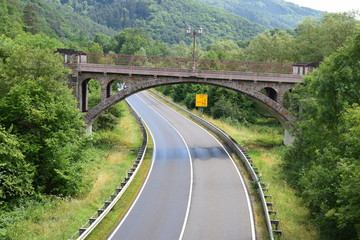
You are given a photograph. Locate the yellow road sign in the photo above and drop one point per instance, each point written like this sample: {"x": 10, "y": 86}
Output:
{"x": 201, "y": 100}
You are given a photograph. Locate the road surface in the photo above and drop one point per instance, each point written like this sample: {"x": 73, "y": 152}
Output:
{"x": 193, "y": 190}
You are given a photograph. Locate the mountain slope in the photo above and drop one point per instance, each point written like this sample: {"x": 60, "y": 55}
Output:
{"x": 46, "y": 16}
{"x": 167, "y": 20}
{"x": 270, "y": 13}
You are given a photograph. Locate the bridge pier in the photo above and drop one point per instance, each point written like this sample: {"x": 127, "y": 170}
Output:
{"x": 88, "y": 129}
{"x": 288, "y": 138}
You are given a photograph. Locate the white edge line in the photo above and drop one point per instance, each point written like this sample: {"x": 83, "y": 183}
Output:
{"x": 142, "y": 188}
{"x": 191, "y": 172}
{"x": 191, "y": 177}
{"x": 237, "y": 169}
{"x": 113, "y": 203}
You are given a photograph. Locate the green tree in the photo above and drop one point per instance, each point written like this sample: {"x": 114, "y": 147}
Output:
{"x": 104, "y": 41}
{"x": 268, "y": 47}
{"x": 31, "y": 18}
{"x": 10, "y": 18}
{"x": 41, "y": 111}
{"x": 16, "y": 175}
{"x": 131, "y": 40}
{"x": 348, "y": 211}
{"x": 317, "y": 39}
{"x": 95, "y": 48}
{"x": 224, "y": 49}
{"x": 324, "y": 162}
{"x": 180, "y": 50}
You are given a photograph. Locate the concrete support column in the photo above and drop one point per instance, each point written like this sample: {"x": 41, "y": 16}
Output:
{"x": 288, "y": 138}
{"x": 88, "y": 130}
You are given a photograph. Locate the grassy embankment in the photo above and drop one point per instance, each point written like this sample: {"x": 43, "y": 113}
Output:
{"x": 264, "y": 144}
{"x": 111, "y": 156}
{"x": 59, "y": 218}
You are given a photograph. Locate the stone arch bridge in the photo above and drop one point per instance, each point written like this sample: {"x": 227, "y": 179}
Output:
{"x": 264, "y": 83}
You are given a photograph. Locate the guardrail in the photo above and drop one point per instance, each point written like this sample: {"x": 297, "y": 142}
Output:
{"x": 255, "y": 176}
{"x": 157, "y": 62}
{"x": 99, "y": 215}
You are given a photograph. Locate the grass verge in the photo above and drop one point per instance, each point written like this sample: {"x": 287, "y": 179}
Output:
{"x": 119, "y": 210}
{"x": 111, "y": 156}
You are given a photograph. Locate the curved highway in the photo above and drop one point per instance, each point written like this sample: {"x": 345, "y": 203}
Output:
{"x": 193, "y": 190}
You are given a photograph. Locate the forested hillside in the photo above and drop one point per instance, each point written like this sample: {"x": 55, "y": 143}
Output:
{"x": 167, "y": 20}
{"x": 269, "y": 13}
{"x": 48, "y": 17}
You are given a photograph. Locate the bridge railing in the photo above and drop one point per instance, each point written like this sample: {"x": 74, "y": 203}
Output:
{"x": 187, "y": 64}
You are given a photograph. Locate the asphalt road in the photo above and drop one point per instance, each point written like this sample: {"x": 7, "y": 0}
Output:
{"x": 193, "y": 191}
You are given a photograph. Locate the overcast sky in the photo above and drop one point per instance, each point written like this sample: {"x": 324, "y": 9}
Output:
{"x": 329, "y": 5}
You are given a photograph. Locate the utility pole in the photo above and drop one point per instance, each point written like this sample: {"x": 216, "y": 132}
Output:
{"x": 193, "y": 34}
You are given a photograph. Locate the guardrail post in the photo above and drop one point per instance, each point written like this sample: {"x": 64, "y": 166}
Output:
{"x": 107, "y": 203}
{"x": 100, "y": 211}
{"x": 276, "y": 223}
{"x": 91, "y": 220}
{"x": 81, "y": 230}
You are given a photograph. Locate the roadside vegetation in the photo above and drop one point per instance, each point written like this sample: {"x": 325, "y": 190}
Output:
{"x": 49, "y": 170}
{"x": 105, "y": 228}
{"x": 324, "y": 163}
{"x": 107, "y": 158}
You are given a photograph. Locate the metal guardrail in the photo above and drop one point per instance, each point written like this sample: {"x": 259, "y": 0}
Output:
{"x": 100, "y": 214}
{"x": 255, "y": 176}
{"x": 184, "y": 73}
{"x": 157, "y": 62}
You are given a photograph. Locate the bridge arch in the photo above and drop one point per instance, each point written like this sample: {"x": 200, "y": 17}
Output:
{"x": 84, "y": 92}
{"x": 119, "y": 84}
{"x": 246, "y": 77}
{"x": 271, "y": 93}
{"x": 137, "y": 83}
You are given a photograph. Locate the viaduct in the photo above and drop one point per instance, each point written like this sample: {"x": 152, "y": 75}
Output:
{"x": 264, "y": 83}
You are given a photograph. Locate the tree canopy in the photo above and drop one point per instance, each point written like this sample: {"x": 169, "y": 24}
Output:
{"x": 39, "y": 120}
{"x": 324, "y": 162}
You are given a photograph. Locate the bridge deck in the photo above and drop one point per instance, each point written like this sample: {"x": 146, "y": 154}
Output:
{"x": 185, "y": 73}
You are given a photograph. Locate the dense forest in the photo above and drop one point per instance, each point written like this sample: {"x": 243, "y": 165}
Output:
{"x": 167, "y": 20}
{"x": 41, "y": 131}
{"x": 46, "y": 17}
{"x": 324, "y": 163}
{"x": 269, "y": 13}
